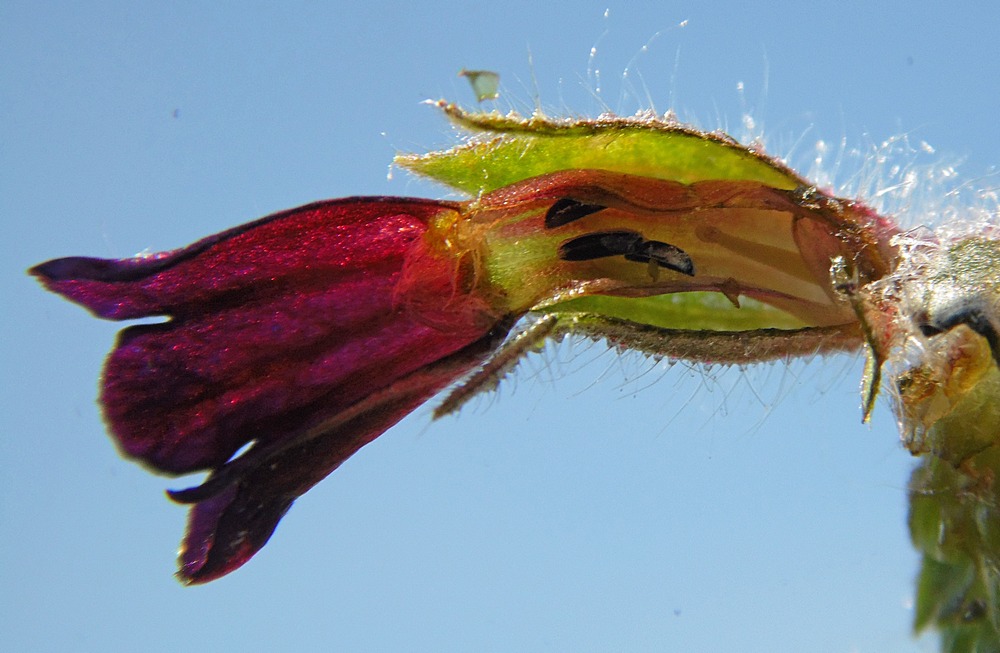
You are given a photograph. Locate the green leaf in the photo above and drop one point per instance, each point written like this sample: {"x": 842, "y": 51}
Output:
{"x": 941, "y": 588}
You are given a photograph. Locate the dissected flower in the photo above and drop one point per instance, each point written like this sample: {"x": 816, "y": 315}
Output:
{"x": 291, "y": 342}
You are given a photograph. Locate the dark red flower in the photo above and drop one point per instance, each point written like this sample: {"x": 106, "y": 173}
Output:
{"x": 307, "y": 333}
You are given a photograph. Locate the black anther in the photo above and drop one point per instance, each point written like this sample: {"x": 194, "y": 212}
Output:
{"x": 600, "y": 244}
{"x": 666, "y": 256}
{"x": 566, "y": 210}
{"x": 629, "y": 244}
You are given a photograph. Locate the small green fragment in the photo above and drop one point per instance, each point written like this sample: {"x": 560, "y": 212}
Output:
{"x": 484, "y": 83}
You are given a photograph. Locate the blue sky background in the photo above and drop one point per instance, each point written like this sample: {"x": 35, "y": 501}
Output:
{"x": 596, "y": 502}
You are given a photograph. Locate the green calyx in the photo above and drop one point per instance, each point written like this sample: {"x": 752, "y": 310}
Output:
{"x": 510, "y": 148}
